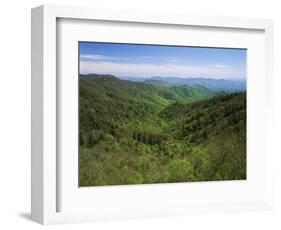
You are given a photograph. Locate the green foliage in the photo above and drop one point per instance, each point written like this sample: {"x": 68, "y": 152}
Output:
{"x": 134, "y": 133}
{"x": 180, "y": 170}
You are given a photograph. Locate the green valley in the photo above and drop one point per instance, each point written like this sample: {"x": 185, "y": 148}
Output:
{"x": 137, "y": 133}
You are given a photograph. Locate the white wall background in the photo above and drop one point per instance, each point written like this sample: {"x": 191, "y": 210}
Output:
{"x": 15, "y": 113}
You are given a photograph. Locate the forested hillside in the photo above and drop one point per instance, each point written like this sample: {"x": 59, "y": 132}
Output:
{"x": 133, "y": 133}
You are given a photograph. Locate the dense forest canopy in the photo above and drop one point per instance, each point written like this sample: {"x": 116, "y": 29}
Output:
{"x": 141, "y": 132}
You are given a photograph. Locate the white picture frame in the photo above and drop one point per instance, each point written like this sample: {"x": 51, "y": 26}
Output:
{"x": 46, "y": 180}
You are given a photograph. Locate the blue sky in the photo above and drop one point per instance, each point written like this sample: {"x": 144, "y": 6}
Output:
{"x": 129, "y": 60}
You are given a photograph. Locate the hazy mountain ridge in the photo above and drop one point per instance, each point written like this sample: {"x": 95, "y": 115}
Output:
{"x": 226, "y": 85}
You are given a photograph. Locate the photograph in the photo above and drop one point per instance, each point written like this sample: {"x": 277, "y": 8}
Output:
{"x": 153, "y": 113}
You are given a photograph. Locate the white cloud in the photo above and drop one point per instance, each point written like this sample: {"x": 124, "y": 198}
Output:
{"x": 164, "y": 59}
{"x": 151, "y": 57}
{"x": 94, "y": 57}
{"x": 98, "y": 57}
{"x": 221, "y": 66}
{"x": 148, "y": 70}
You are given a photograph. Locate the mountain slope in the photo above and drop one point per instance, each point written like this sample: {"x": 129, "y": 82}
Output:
{"x": 112, "y": 99}
{"x": 209, "y": 117}
{"x": 217, "y": 125}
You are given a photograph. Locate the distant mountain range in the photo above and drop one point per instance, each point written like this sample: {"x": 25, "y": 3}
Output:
{"x": 226, "y": 85}
{"x": 232, "y": 85}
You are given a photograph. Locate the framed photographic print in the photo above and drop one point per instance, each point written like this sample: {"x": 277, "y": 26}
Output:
{"x": 176, "y": 117}
{"x": 140, "y": 115}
